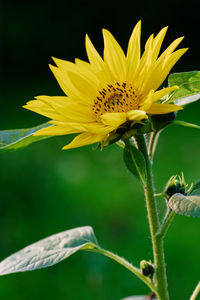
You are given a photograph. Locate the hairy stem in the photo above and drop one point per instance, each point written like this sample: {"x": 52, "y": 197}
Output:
{"x": 157, "y": 240}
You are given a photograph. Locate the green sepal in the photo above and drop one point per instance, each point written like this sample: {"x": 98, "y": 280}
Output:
{"x": 189, "y": 87}
{"x": 161, "y": 121}
{"x": 185, "y": 124}
{"x": 145, "y": 127}
{"x": 14, "y": 139}
{"x": 135, "y": 161}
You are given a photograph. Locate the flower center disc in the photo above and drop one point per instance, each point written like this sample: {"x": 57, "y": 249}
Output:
{"x": 116, "y": 98}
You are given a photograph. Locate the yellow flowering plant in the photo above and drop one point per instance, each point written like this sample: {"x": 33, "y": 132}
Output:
{"x": 116, "y": 99}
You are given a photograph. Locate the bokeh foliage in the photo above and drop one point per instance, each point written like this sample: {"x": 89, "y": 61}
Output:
{"x": 45, "y": 190}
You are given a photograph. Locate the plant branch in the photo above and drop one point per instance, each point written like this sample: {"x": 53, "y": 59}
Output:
{"x": 166, "y": 223}
{"x": 128, "y": 266}
{"x": 196, "y": 292}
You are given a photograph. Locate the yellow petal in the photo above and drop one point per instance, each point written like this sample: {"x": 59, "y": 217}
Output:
{"x": 44, "y": 109}
{"x": 133, "y": 52}
{"x": 168, "y": 65}
{"x": 159, "y": 108}
{"x": 81, "y": 68}
{"x": 145, "y": 64}
{"x": 170, "y": 49}
{"x": 114, "y": 57}
{"x": 93, "y": 56}
{"x": 97, "y": 128}
{"x": 87, "y": 88}
{"x": 56, "y": 130}
{"x": 137, "y": 115}
{"x": 161, "y": 71}
{"x": 97, "y": 63}
{"x": 65, "y": 83}
{"x": 84, "y": 139}
{"x": 157, "y": 43}
{"x": 68, "y": 108}
{"x": 113, "y": 119}
{"x": 161, "y": 93}
{"x": 147, "y": 101}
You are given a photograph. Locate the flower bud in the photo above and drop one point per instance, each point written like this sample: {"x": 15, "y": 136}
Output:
{"x": 147, "y": 268}
{"x": 176, "y": 185}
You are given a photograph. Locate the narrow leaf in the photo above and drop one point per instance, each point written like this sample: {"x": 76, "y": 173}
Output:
{"x": 189, "y": 85}
{"x": 49, "y": 251}
{"x": 135, "y": 162}
{"x": 185, "y": 124}
{"x": 18, "y": 138}
{"x": 185, "y": 205}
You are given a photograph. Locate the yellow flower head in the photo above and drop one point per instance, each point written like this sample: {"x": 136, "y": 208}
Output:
{"x": 110, "y": 93}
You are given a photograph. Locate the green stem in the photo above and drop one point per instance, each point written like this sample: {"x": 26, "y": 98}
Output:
{"x": 128, "y": 266}
{"x": 157, "y": 240}
{"x": 152, "y": 143}
{"x": 161, "y": 195}
{"x": 166, "y": 223}
{"x": 196, "y": 292}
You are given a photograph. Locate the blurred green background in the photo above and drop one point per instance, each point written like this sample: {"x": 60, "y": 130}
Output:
{"x": 45, "y": 190}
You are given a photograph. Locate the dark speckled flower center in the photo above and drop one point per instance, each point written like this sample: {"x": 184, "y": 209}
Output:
{"x": 116, "y": 98}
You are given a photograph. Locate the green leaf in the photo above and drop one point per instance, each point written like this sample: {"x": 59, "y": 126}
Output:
{"x": 185, "y": 124}
{"x": 187, "y": 100}
{"x": 49, "y": 251}
{"x": 18, "y": 138}
{"x": 195, "y": 189}
{"x": 55, "y": 248}
{"x": 185, "y": 205}
{"x": 135, "y": 161}
{"x": 189, "y": 87}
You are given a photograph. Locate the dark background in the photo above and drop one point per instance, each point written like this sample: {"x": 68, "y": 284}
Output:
{"x": 45, "y": 190}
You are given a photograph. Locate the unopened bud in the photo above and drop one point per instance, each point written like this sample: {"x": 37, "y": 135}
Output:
{"x": 147, "y": 268}
{"x": 176, "y": 184}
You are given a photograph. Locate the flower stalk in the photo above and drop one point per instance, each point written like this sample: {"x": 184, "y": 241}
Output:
{"x": 157, "y": 240}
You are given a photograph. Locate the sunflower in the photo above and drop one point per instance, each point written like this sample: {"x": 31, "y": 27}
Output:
{"x": 107, "y": 94}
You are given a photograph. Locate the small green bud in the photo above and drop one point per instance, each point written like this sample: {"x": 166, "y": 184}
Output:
{"x": 147, "y": 268}
{"x": 176, "y": 184}
{"x": 161, "y": 121}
